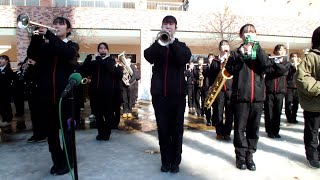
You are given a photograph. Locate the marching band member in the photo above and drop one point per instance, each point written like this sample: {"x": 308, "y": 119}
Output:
{"x": 275, "y": 82}
{"x": 247, "y": 64}
{"x": 55, "y": 57}
{"x": 6, "y": 77}
{"x": 223, "y": 100}
{"x": 291, "y": 97}
{"x": 105, "y": 73}
{"x": 208, "y": 112}
{"x": 190, "y": 74}
{"x": 308, "y": 84}
{"x": 127, "y": 89}
{"x": 168, "y": 93}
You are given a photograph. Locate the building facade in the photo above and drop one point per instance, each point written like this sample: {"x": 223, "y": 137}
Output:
{"x": 131, "y": 26}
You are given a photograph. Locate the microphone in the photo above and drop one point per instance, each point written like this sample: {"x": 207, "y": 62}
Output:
{"x": 74, "y": 80}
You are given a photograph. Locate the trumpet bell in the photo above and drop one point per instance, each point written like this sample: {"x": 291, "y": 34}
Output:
{"x": 163, "y": 38}
{"x": 23, "y": 21}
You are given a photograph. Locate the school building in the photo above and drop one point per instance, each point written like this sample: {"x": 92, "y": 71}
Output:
{"x": 132, "y": 25}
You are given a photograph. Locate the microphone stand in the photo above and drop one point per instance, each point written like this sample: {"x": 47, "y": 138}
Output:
{"x": 72, "y": 124}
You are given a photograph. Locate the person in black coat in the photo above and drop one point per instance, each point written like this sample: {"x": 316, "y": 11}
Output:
{"x": 191, "y": 81}
{"x": 276, "y": 88}
{"x": 168, "y": 93}
{"x": 127, "y": 89}
{"x": 55, "y": 56}
{"x": 247, "y": 64}
{"x": 6, "y": 78}
{"x": 105, "y": 73}
{"x": 291, "y": 97}
{"x": 222, "y": 103}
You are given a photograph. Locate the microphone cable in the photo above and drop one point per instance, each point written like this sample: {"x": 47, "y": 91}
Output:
{"x": 63, "y": 140}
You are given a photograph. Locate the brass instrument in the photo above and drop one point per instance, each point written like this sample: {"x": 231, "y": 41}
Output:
{"x": 163, "y": 38}
{"x": 127, "y": 71}
{"x": 84, "y": 81}
{"x": 216, "y": 87}
{"x": 201, "y": 77}
{"x": 25, "y": 23}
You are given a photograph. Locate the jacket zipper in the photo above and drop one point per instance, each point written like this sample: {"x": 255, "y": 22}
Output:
{"x": 166, "y": 73}
{"x": 54, "y": 79}
{"x": 252, "y": 83}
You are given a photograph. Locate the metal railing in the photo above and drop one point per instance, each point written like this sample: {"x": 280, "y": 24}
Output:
{"x": 19, "y": 2}
{"x": 96, "y": 3}
{"x": 170, "y": 6}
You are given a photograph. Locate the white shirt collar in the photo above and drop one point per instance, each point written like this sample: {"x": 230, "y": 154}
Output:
{"x": 2, "y": 68}
{"x": 65, "y": 40}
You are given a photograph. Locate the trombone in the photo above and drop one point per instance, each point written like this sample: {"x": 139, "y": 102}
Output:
{"x": 25, "y": 23}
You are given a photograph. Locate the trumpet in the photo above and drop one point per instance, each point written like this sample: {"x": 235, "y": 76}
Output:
{"x": 25, "y": 23}
{"x": 84, "y": 81}
{"x": 163, "y": 38}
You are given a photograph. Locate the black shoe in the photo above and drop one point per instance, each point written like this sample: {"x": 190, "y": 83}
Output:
{"x": 32, "y": 140}
{"x": 165, "y": 168}
{"x": 174, "y": 169}
{"x": 295, "y": 122}
{"x": 240, "y": 164}
{"x": 54, "y": 169}
{"x": 106, "y": 137}
{"x": 251, "y": 165}
{"x": 277, "y": 136}
{"x": 63, "y": 170}
{"x": 99, "y": 137}
{"x": 271, "y": 135}
{"x": 227, "y": 138}
{"x": 314, "y": 164}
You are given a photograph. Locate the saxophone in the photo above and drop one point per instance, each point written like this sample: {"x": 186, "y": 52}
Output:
{"x": 201, "y": 77}
{"x": 216, "y": 87}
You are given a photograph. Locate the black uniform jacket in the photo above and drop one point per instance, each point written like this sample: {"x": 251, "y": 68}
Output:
{"x": 291, "y": 80}
{"x": 105, "y": 76}
{"x": 56, "y": 61}
{"x": 190, "y": 76}
{"x": 248, "y": 76}
{"x": 276, "y": 80}
{"x": 6, "y": 78}
{"x": 169, "y": 65}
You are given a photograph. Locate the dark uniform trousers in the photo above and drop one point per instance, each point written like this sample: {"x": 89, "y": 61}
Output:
{"x": 291, "y": 104}
{"x": 222, "y": 105}
{"x": 104, "y": 114}
{"x": 127, "y": 99}
{"x": 5, "y": 108}
{"x": 272, "y": 111}
{"x": 38, "y": 123}
{"x": 246, "y": 128}
{"x": 311, "y": 135}
{"x": 50, "y": 112}
{"x": 169, "y": 112}
{"x": 191, "y": 96}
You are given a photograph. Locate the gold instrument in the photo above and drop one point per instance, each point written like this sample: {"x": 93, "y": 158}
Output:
{"x": 216, "y": 87}
{"x": 201, "y": 77}
{"x": 127, "y": 71}
{"x": 163, "y": 38}
{"x": 25, "y": 23}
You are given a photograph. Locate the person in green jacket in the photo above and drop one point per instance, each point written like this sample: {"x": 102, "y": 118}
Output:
{"x": 308, "y": 85}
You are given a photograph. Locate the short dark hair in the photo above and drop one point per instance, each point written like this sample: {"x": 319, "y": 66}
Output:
{"x": 62, "y": 20}
{"x": 105, "y": 44}
{"x": 5, "y": 57}
{"x": 277, "y": 48}
{"x": 210, "y": 55}
{"x": 223, "y": 42}
{"x": 293, "y": 53}
{"x": 246, "y": 28}
{"x": 169, "y": 19}
{"x": 316, "y": 39}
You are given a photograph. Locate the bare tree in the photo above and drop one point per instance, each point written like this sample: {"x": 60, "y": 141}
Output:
{"x": 224, "y": 26}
